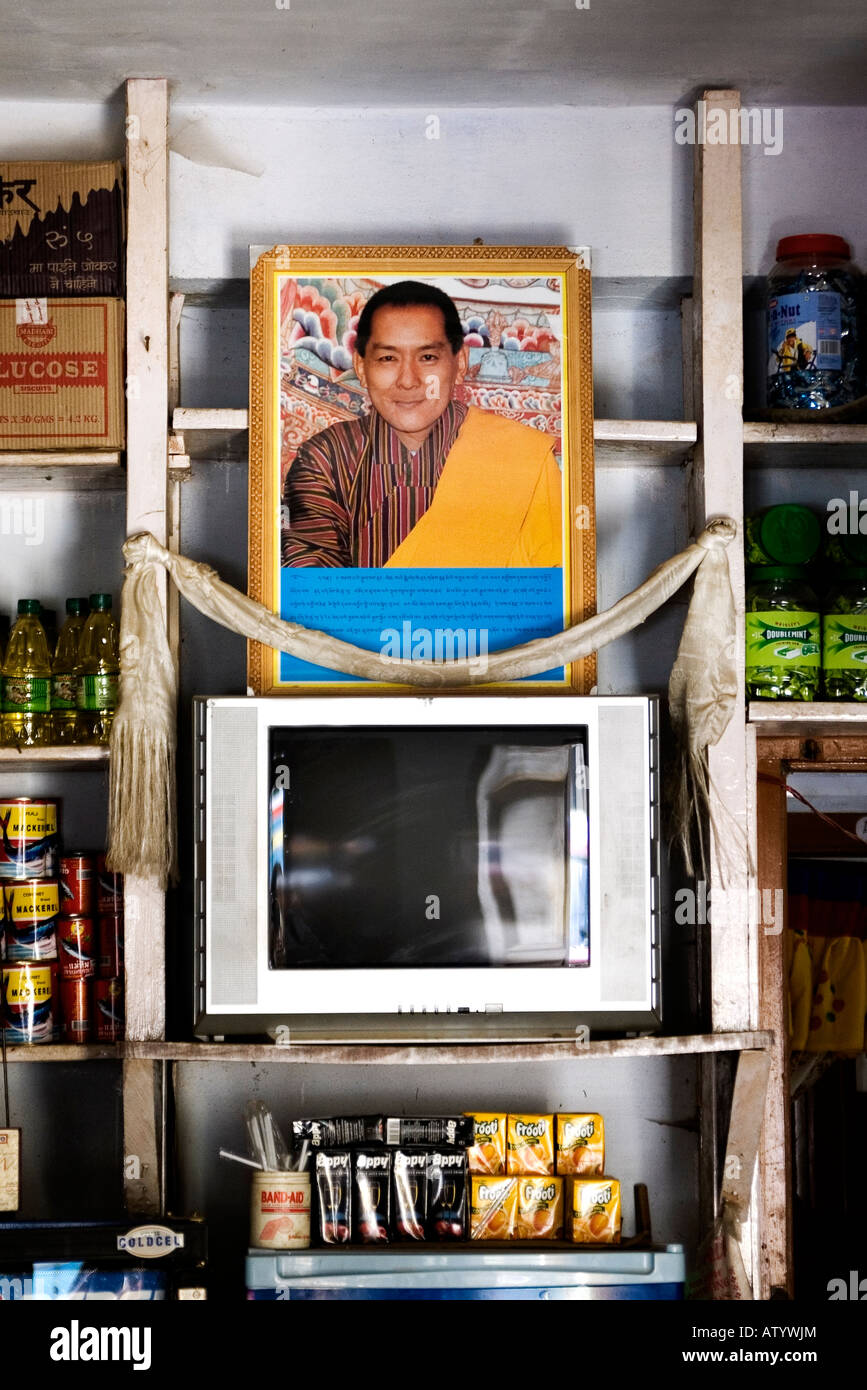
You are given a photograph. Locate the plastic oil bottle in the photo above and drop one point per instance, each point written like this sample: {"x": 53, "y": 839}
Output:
{"x": 97, "y": 672}
{"x": 64, "y": 682}
{"x": 26, "y": 681}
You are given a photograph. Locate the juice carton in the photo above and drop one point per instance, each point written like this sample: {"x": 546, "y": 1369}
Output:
{"x": 596, "y": 1211}
{"x": 488, "y": 1152}
{"x": 580, "y": 1145}
{"x": 530, "y": 1145}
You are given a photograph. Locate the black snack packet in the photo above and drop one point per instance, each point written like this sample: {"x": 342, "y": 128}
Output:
{"x": 409, "y": 1193}
{"x": 447, "y": 1194}
{"x": 371, "y": 1195}
{"x": 454, "y": 1130}
{"x": 333, "y": 1172}
{"x": 336, "y": 1133}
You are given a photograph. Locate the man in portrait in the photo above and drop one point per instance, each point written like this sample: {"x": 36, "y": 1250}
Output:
{"x": 423, "y": 480}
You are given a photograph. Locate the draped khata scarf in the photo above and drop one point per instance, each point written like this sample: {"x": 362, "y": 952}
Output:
{"x": 142, "y": 814}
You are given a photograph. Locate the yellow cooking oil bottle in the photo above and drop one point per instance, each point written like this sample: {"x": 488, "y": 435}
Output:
{"x": 97, "y": 671}
{"x": 64, "y": 682}
{"x": 26, "y": 681}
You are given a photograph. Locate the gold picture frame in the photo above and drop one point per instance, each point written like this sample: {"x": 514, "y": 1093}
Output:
{"x": 525, "y": 316}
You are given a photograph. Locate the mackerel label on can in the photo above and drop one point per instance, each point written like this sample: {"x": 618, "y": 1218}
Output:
{"x": 76, "y": 884}
{"x": 75, "y": 948}
{"x": 27, "y": 1003}
{"x": 76, "y": 997}
{"x": 108, "y": 1007}
{"x": 32, "y": 908}
{"x": 109, "y": 887}
{"x": 110, "y": 945}
{"x": 28, "y": 838}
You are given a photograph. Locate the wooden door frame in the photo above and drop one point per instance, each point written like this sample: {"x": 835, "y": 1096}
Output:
{"x": 778, "y": 756}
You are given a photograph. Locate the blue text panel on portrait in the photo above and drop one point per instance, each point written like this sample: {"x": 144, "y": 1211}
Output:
{"x": 422, "y": 614}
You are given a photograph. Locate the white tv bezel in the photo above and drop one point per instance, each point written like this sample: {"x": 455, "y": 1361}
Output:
{"x": 389, "y": 1004}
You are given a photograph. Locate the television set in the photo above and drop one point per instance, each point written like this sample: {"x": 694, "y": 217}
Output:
{"x": 423, "y": 868}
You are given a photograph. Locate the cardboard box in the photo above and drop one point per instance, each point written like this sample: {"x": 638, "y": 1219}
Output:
{"x": 61, "y": 374}
{"x": 61, "y": 229}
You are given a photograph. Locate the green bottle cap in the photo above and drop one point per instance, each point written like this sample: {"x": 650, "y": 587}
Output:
{"x": 790, "y": 534}
{"x": 854, "y": 547}
{"x": 77, "y": 607}
{"x": 30, "y": 606}
{"x": 760, "y": 573}
{"x": 100, "y": 603}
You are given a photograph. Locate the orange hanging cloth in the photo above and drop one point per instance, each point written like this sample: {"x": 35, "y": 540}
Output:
{"x": 497, "y": 504}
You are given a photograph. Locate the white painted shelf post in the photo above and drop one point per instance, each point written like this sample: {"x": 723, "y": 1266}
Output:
{"x": 147, "y": 459}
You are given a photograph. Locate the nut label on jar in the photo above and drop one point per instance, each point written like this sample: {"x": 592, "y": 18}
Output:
{"x": 804, "y": 331}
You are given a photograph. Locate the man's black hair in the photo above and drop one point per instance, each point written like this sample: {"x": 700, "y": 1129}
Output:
{"x": 405, "y": 294}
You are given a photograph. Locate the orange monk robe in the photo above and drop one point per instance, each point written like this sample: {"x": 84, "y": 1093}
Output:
{"x": 497, "y": 505}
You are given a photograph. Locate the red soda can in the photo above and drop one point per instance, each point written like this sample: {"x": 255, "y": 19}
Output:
{"x": 76, "y": 999}
{"x": 76, "y": 885}
{"x": 108, "y": 1005}
{"x": 75, "y": 948}
{"x": 109, "y": 890}
{"x": 110, "y": 945}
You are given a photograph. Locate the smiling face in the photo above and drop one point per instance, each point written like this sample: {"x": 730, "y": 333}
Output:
{"x": 409, "y": 370}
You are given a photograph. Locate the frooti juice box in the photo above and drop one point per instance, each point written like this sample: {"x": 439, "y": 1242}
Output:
{"x": 596, "y": 1211}
{"x": 530, "y": 1145}
{"x": 488, "y": 1151}
{"x": 580, "y": 1145}
{"x": 540, "y": 1209}
{"x": 493, "y": 1208}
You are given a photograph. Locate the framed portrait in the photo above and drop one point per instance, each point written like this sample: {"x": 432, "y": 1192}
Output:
{"x": 421, "y": 454}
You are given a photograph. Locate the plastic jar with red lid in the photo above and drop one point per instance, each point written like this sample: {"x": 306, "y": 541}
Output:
{"x": 813, "y": 309}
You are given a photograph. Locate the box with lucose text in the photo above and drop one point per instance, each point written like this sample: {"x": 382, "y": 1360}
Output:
{"x": 61, "y": 374}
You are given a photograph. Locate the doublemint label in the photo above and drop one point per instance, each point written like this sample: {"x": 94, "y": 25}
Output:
{"x": 845, "y": 641}
{"x": 97, "y": 692}
{"x": 26, "y": 695}
{"x": 783, "y": 639}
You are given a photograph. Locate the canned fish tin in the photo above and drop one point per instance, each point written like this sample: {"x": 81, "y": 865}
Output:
{"x": 108, "y": 1008}
{"x": 28, "y": 838}
{"x": 110, "y": 930}
{"x": 27, "y": 1003}
{"x": 76, "y": 884}
{"x": 109, "y": 888}
{"x": 32, "y": 909}
{"x": 76, "y": 1001}
{"x": 75, "y": 948}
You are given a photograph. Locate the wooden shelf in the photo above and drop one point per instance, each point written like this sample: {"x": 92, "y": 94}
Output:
{"x": 65, "y": 1052}
{"x": 32, "y": 759}
{"x": 217, "y": 435}
{"x": 48, "y": 470}
{"x": 654, "y": 441}
{"x": 510, "y": 1054}
{"x": 806, "y": 718}
{"x": 222, "y": 435}
{"x": 804, "y": 446}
